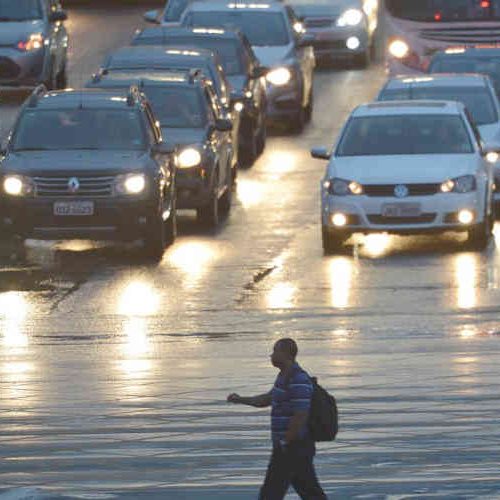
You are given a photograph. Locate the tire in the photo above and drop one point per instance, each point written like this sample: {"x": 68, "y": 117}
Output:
{"x": 249, "y": 148}
{"x": 309, "y": 107}
{"x": 225, "y": 202}
{"x": 171, "y": 227}
{"x": 62, "y": 78}
{"x": 208, "y": 215}
{"x": 480, "y": 234}
{"x": 155, "y": 242}
{"x": 261, "y": 138}
{"x": 361, "y": 61}
{"x": 50, "y": 83}
{"x": 332, "y": 244}
{"x": 298, "y": 122}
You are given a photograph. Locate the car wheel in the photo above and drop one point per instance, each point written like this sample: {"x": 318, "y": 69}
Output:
{"x": 225, "y": 202}
{"x": 62, "y": 78}
{"x": 298, "y": 122}
{"x": 480, "y": 234}
{"x": 332, "y": 243}
{"x": 249, "y": 148}
{"x": 208, "y": 215}
{"x": 155, "y": 241}
{"x": 261, "y": 138}
{"x": 309, "y": 107}
{"x": 171, "y": 227}
{"x": 362, "y": 60}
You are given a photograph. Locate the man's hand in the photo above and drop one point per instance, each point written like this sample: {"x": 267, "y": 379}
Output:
{"x": 234, "y": 398}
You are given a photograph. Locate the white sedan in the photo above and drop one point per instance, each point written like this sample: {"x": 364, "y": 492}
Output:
{"x": 407, "y": 167}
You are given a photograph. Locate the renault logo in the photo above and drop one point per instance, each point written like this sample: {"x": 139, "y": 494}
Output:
{"x": 401, "y": 191}
{"x": 73, "y": 185}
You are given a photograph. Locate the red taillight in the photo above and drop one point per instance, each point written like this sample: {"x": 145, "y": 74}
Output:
{"x": 438, "y": 16}
{"x": 485, "y": 4}
{"x": 22, "y": 46}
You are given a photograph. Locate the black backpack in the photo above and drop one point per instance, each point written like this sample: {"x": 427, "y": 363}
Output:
{"x": 323, "y": 420}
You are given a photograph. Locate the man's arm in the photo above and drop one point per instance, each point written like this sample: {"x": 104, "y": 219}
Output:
{"x": 260, "y": 401}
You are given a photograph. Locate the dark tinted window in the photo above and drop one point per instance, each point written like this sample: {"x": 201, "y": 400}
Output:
{"x": 478, "y": 100}
{"x": 177, "y": 107}
{"x": 261, "y": 28}
{"x": 20, "y": 10}
{"x": 405, "y": 135}
{"x": 444, "y": 10}
{"x": 80, "y": 129}
{"x": 174, "y": 10}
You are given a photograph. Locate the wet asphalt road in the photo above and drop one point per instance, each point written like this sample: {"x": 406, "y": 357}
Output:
{"x": 113, "y": 374}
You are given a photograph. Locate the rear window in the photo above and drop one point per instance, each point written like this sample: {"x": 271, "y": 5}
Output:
{"x": 174, "y": 10}
{"x": 478, "y": 100}
{"x": 405, "y": 135}
{"x": 68, "y": 129}
{"x": 20, "y": 10}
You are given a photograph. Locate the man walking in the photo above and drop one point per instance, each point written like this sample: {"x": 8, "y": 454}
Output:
{"x": 293, "y": 448}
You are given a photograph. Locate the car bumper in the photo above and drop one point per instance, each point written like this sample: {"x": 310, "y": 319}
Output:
{"x": 194, "y": 188}
{"x": 395, "y": 67}
{"x": 332, "y": 43}
{"x": 122, "y": 220}
{"x": 21, "y": 68}
{"x": 437, "y": 213}
{"x": 283, "y": 102}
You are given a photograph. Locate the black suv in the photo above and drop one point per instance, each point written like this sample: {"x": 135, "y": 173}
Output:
{"x": 243, "y": 72}
{"x": 89, "y": 165}
{"x": 191, "y": 117}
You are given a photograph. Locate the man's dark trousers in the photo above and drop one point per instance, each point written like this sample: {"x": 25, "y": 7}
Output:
{"x": 294, "y": 466}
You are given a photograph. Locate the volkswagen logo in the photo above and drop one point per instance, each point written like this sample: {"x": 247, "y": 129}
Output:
{"x": 73, "y": 185}
{"x": 401, "y": 191}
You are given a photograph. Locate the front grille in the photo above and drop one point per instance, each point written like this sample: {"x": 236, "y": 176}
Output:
{"x": 387, "y": 190}
{"x": 319, "y": 22}
{"x": 58, "y": 187}
{"x": 421, "y": 219}
{"x": 471, "y": 35}
{"x": 8, "y": 69}
{"x": 329, "y": 44}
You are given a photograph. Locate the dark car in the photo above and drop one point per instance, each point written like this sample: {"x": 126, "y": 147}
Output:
{"x": 89, "y": 165}
{"x": 485, "y": 60}
{"x": 169, "y": 15}
{"x": 272, "y": 30}
{"x": 33, "y": 43}
{"x": 191, "y": 117}
{"x": 243, "y": 72}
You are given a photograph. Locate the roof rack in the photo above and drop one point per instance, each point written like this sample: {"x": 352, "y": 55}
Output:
{"x": 33, "y": 98}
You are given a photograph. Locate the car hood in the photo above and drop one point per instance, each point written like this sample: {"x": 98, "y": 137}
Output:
{"x": 490, "y": 134}
{"x": 318, "y": 10}
{"x": 237, "y": 82}
{"x": 272, "y": 56}
{"x": 404, "y": 169}
{"x": 13, "y": 33}
{"x": 48, "y": 162}
{"x": 183, "y": 136}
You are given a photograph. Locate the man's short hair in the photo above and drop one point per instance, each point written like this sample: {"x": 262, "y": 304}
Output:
{"x": 289, "y": 346}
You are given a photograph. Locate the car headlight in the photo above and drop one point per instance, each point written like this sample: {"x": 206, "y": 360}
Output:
{"x": 299, "y": 28}
{"x": 464, "y": 184}
{"x": 279, "y": 76}
{"x": 351, "y": 17}
{"x": 34, "y": 42}
{"x": 17, "y": 185}
{"x": 189, "y": 158}
{"x": 341, "y": 187}
{"x": 130, "y": 184}
{"x": 399, "y": 49}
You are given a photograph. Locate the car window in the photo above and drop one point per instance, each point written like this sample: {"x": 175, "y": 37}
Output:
{"x": 68, "y": 129}
{"x": 261, "y": 28}
{"x": 174, "y": 10}
{"x": 478, "y": 100}
{"x": 405, "y": 135}
{"x": 20, "y": 10}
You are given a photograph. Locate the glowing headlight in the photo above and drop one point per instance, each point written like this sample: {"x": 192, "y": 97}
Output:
{"x": 298, "y": 27}
{"x": 399, "y": 49}
{"x": 492, "y": 157}
{"x": 464, "y": 184}
{"x": 279, "y": 76}
{"x": 238, "y": 106}
{"x": 341, "y": 187}
{"x": 14, "y": 185}
{"x": 34, "y": 42}
{"x": 351, "y": 17}
{"x": 188, "y": 158}
{"x": 131, "y": 184}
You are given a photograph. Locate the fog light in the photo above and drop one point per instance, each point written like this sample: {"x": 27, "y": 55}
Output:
{"x": 353, "y": 43}
{"x": 465, "y": 217}
{"x": 339, "y": 220}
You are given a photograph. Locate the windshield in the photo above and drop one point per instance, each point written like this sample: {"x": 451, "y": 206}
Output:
{"x": 261, "y": 28}
{"x": 100, "y": 129}
{"x": 478, "y": 100}
{"x": 20, "y": 10}
{"x": 177, "y": 107}
{"x": 405, "y": 135}
{"x": 444, "y": 10}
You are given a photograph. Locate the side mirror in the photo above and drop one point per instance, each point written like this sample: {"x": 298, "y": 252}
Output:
{"x": 163, "y": 148}
{"x": 259, "y": 71}
{"x": 151, "y": 16}
{"x": 320, "y": 153}
{"x": 58, "y": 16}
{"x": 223, "y": 125}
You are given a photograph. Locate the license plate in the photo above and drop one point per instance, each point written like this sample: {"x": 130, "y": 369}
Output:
{"x": 401, "y": 210}
{"x": 74, "y": 208}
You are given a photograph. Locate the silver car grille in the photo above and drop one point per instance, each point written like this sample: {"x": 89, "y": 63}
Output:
{"x": 57, "y": 187}
{"x": 482, "y": 34}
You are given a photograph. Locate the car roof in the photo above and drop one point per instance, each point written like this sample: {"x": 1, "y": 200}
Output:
{"x": 220, "y": 6}
{"x": 437, "y": 80}
{"x": 486, "y": 51}
{"x": 160, "y": 33}
{"x": 80, "y": 99}
{"x": 157, "y": 56}
{"x": 384, "y": 108}
{"x": 144, "y": 79}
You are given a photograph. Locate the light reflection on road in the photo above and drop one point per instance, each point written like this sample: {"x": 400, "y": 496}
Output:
{"x": 376, "y": 245}
{"x": 250, "y": 193}
{"x": 281, "y": 296}
{"x": 13, "y": 311}
{"x": 465, "y": 266}
{"x": 341, "y": 270}
{"x": 279, "y": 163}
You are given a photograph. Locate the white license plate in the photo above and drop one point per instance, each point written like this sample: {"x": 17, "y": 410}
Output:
{"x": 74, "y": 208}
{"x": 402, "y": 210}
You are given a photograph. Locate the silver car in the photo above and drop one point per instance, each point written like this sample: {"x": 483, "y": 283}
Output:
{"x": 33, "y": 43}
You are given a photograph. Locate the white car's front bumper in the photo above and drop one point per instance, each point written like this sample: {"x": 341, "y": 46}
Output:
{"x": 436, "y": 213}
